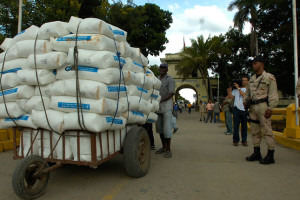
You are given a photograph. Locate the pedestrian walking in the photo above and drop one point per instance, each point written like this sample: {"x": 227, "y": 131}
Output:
{"x": 164, "y": 121}
{"x": 209, "y": 108}
{"x": 189, "y": 107}
{"x": 262, "y": 96}
{"x": 227, "y": 109}
{"x": 176, "y": 108}
{"x": 217, "y": 110}
{"x": 239, "y": 113}
{"x": 202, "y": 110}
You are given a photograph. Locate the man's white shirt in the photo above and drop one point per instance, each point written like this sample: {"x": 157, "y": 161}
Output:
{"x": 238, "y": 98}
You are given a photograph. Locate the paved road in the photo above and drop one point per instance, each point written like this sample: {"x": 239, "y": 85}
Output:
{"x": 205, "y": 165}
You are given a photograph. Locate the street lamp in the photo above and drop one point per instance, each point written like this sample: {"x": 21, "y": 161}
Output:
{"x": 218, "y": 76}
{"x": 295, "y": 59}
{"x": 20, "y": 16}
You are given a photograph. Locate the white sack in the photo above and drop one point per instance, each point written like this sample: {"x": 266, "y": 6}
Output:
{"x": 23, "y": 121}
{"x": 53, "y": 29}
{"x": 96, "y": 26}
{"x": 13, "y": 109}
{"x": 155, "y": 95}
{"x": 7, "y": 43}
{"x": 26, "y": 47}
{"x": 13, "y": 66}
{"x": 98, "y": 59}
{"x": 28, "y": 76}
{"x": 9, "y": 80}
{"x": 34, "y": 103}
{"x": 93, "y": 122}
{"x": 109, "y": 145}
{"x": 28, "y": 34}
{"x": 156, "y": 83}
{"x": 56, "y": 120}
{"x": 137, "y": 104}
{"x": 52, "y": 60}
{"x": 94, "y": 89}
{"x": 53, "y": 89}
{"x": 60, "y": 145}
{"x": 107, "y": 76}
{"x": 28, "y": 137}
{"x": 10, "y": 54}
{"x": 154, "y": 105}
{"x": 47, "y": 149}
{"x": 133, "y": 53}
{"x": 152, "y": 117}
{"x": 138, "y": 91}
{"x": 102, "y": 106}
{"x": 84, "y": 41}
{"x": 19, "y": 92}
{"x": 135, "y": 117}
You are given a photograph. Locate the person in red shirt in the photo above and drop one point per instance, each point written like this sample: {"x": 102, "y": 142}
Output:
{"x": 209, "y": 108}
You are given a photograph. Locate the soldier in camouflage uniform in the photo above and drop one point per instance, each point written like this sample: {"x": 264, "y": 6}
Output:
{"x": 262, "y": 97}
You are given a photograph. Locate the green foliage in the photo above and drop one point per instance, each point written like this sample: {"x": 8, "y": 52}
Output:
{"x": 146, "y": 25}
{"x": 200, "y": 56}
{"x": 155, "y": 70}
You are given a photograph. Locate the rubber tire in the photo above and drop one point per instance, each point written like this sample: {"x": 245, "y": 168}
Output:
{"x": 132, "y": 164}
{"x": 18, "y": 177}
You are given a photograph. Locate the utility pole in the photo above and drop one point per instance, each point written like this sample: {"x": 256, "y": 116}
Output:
{"x": 20, "y": 16}
{"x": 296, "y": 58}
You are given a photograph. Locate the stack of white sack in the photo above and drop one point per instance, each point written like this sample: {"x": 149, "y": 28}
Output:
{"x": 18, "y": 80}
{"x": 115, "y": 86}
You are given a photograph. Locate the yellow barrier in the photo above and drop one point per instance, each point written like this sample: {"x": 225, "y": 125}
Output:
{"x": 6, "y": 139}
{"x": 291, "y": 130}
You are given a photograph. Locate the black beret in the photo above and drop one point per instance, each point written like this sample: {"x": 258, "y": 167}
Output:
{"x": 165, "y": 65}
{"x": 259, "y": 59}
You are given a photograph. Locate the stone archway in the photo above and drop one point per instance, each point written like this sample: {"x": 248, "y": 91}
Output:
{"x": 186, "y": 86}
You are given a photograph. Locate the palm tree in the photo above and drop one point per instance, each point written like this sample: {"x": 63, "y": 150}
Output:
{"x": 199, "y": 56}
{"x": 246, "y": 13}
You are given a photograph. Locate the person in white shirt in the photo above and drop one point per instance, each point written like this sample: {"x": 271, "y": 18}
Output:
{"x": 239, "y": 113}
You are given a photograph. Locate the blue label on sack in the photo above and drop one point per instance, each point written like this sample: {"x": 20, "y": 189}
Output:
{"x": 154, "y": 96}
{"x": 73, "y": 38}
{"x": 116, "y": 121}
{"x": 122, "y": 60}
{"x": 54, "y": 72}
{"x": 24, "y": 118}
{"x": 142, "y": 89}
{"x": 151, "y": 120}
{"x": 118, "y": 32}
{"x": 11, "y": 70}
{"x": 7, "y": 92}
{"x": 137, "y": 113}
{"x": 21, "y": 32}
{"x": 148, "y": 72}
{"x": 138, "y": 64}
{"x": 116, "y": 88}
{"x": 87, "y": 69}
{"x": 73, "y": 105}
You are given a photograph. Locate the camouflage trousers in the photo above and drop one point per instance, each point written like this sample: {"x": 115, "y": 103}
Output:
{"x": 262, "y": 129}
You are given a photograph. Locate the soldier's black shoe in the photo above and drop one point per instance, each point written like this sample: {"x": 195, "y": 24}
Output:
{"x": 256, "y": 156}
{"x": 269, "y": 159}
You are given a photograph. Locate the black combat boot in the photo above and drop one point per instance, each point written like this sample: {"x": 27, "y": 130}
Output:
{"x": 269, "y": 159}
{"x": 256, "y": 156}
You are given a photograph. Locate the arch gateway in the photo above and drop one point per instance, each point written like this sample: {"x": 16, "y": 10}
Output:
{"x": 195, "y": 81}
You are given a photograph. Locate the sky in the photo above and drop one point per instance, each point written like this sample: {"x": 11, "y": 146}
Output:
{"x": 192, "y": 18}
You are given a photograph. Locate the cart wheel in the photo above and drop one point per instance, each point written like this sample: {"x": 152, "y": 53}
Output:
{"x": 27, "y": 185}
{"x": 137, "y": 153}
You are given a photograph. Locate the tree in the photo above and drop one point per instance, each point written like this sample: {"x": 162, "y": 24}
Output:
{"x": 146, "y": 25}
{"x": 199, "y": 57}
{"x": 94, "y": 8}
{"x": 246, "y": 8}
{"x": 155, "y": 70}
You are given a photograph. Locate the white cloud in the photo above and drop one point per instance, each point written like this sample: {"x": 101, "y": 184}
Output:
{"x": 174, "y": 6}
{"x": 192, "y": 22}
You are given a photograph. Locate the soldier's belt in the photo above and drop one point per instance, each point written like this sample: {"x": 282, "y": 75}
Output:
{"x": 259, "y": 101}
{"x": 253, "y": 121}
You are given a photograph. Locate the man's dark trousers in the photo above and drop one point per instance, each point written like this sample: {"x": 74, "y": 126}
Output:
{"x": 239, "y": 117}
